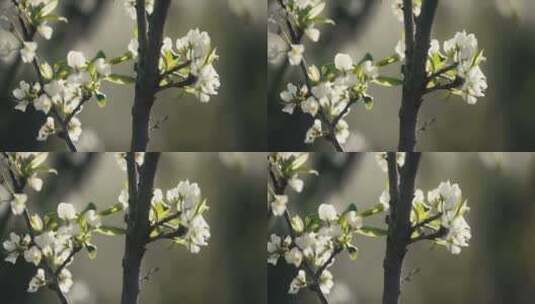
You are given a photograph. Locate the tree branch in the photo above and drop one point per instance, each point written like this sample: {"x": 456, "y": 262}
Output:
{"x": 147, "y": 82}
{"x": 140, "y": 185}
{"x": 399, "y": 226}
{"x": 417, "y": 42}
{"x": 28, "y": 34}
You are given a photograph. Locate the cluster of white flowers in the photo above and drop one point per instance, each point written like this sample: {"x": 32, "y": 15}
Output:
{"x": 193, "y": 58}
{"x": 463, "y": 51}
{"x": 304, "y": 15}
{"x": 56, "y": 240}
{"x": 334, "y": 89}
{"x": 26, "y": 165}
{"x": 179, "y": 212}
{"x": 446, "y": 203}
{"x": 397, "y": 8}
{"x": 130, "y": 8}
{"x": 67, "y": 87}
{"x": 461, "y": 59}
{"x": 315, "y": 240}
{"x": 185, "y": 203}
{"x": 318, "y": 239}
{"x": 287, "y": 166}
{"x": 37, "y": 14}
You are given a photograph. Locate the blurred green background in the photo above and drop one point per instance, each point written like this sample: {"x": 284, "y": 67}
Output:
{"x": 498, "y": 266}
{"x": 502, "y": 121}
{"x": 235, "y": 120}
{"x": 230, "y": 270}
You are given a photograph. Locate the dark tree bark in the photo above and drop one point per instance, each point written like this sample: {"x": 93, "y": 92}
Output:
{"x": 140, "y": 186}
{"x": 417, "y": 42}
{"x": 401, "y": 186}
{"x": 150, "y": 36}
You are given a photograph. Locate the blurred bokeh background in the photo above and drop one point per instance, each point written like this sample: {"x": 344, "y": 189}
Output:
{"x": 235, "y": 120}
{"x": 230, "y": 270}
{"x": 501, "y": 121}
{"x": 496, "y": 268}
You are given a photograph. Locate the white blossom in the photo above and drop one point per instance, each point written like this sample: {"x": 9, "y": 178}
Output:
{"x": 28, "y": 51}
{"x": 75, "y": 129}
{"x": 37, "y": 281}
{"x": 296, "y": 183}
{"x": 343, "y": 62}
{"x": 93, "y": 219}
{"x": 76, "y": 60}
{"x": 314, "y": 132}
{"x": 370, "y": 70}
{"x": 397, "y": 8}
{"x": 198, "y": 234}
{"x": 326, "y": 282}
{"x": 382, "y": 162}
{"x": 45, "y": 30}
{"x": 133, "y": 47}
{"x": 342, "y": 131}
{"x": 18, "y": 203}
{"x": 298, "y": 282}
{"x": 102, "y": 67}
{"x": 66, "y": 212}
{"x": 33, "y": 255}
{"x": 354, "y": 220}
{"x": 384, "y": 199}
{"x": 327, "y": 213}
{"x": 65, "y": 280}
{"x": 294, "y": 256}
{"x": 278, "y": 205}
{"x": 295, "y": 55}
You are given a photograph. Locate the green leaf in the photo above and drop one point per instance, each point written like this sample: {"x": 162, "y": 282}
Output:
{"x": 38, "y": 160}
{"x": 372, "y": 231}
{"x": 371, "y": 211}
{"x": 110, "y": 230}
{"x": 55, "y": 18}
{"x": 112, "y": 210}
{"x": 299, "y": 161}
{"x": 388, "y": 60}
{"x": 102, "y": 100}
{"x": 388, "y": 81}
{"x": 100, "y": 54}
{"x": 120, "y": 59}
{"x": 49, "y": 7}
{"x": 120, "y": 79}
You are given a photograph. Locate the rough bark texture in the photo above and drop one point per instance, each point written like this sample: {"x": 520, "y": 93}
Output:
{"x": 417, "y": 41}
{"x": 147, "y": 82}
{"x": 140, "y": 185}
{"x": 399, "y": 225}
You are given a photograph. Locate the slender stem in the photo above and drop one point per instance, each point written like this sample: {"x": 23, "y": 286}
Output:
{"x": 18, "y": 187}
{"x": 280, "y": 188}
{"x": 28, "y": 34}
{"x": 431, "y": 236}
{"x": 296, "y": 36}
